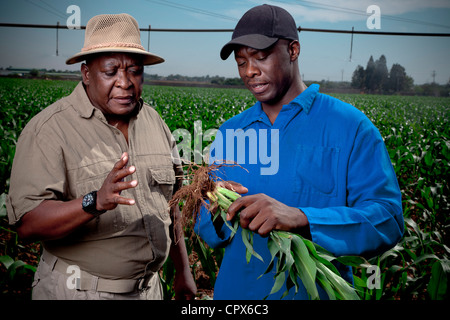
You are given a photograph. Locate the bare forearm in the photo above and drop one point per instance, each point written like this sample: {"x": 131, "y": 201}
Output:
{"x": 178, "y": 252}
{"x": 185, "y": 288}
{"x": 53, "y": 220}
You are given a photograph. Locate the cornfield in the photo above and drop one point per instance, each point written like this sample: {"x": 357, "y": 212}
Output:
{"x": 416, "y": 131}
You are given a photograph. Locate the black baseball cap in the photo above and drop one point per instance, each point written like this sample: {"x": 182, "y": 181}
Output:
{"x": 260, "y": 27}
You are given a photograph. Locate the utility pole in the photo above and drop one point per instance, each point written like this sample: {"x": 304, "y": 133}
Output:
{"x": 351, "y": 45}
{"x": 148, "y": 40}
{"x": 433, "y": 74}
{"x": 57, "y": 27}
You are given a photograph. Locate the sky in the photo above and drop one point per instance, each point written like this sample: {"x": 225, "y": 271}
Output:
{"x": 324, "y": 56}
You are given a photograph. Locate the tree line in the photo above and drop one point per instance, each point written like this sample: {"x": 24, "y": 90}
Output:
{"x": 376, "y": 78}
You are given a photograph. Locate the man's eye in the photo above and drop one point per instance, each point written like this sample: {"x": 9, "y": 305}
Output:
{"x": 136, "y": 71}
{"x": 110, "y": 73}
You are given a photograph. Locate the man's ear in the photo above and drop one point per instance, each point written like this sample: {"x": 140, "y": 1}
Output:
{"x": 85, "y": 74}
{"x": 294, "y": 50}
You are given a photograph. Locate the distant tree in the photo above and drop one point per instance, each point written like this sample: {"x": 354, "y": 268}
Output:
{"x": 233, "y": 81}
{"x": 377, "y": 79}
{"x": 381, "y": 75}
{"x": 34, "y": 72}
{"x": 358, "y": 78}
{"x": 369, "y": 81}
{"x": 398, "y": 79}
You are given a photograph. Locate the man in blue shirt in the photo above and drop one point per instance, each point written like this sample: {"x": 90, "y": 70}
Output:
{"x": 309, "y": 164}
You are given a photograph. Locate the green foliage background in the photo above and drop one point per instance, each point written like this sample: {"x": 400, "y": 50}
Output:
{"x": 417, "y": 135}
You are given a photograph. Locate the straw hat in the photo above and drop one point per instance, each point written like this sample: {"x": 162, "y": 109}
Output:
{"x": 113, "y": 33}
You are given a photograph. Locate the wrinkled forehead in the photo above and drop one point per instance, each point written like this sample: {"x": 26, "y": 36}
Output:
{"x": 115, "y": 58}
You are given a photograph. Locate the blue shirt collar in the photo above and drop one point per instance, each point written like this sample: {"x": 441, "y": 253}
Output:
{"x": 306, "y": 98}
{"x": 304, "y": 101}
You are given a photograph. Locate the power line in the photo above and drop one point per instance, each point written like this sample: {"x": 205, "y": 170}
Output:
{"x": 329, "y": 7}
{"x": 50, "y": 9}
{"x": 193, "y": 9}
{"x": 58, "y": 11}
{"x": 379, "y": 33}
{"x": 364, "y": 13}
{"x": 300, "y": 29}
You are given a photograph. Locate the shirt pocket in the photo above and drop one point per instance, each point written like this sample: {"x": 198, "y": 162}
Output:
{"x": 164, "y": 179}
{"x": 161, "y": 182}
{"x": 316, "y": 170}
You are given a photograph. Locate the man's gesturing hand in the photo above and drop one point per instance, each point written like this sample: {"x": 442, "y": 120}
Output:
{"x": 108, "y": 197}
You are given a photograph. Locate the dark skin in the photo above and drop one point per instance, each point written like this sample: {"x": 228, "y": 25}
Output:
{"x": 273, "y": 77}
{"x": 113, "y": 83}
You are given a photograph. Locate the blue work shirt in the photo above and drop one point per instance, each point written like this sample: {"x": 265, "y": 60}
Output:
{"x": 322, "y": 156}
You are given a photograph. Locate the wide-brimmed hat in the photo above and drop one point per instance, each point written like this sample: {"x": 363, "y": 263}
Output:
{"x": 260, "y": 27}
{"x": 107, "y": 33}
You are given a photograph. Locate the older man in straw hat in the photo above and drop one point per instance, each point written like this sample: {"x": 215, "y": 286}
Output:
{"x": 92, "y": 176}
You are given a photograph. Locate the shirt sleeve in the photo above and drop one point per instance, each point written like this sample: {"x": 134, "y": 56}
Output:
{"x": 204, "y": 227}
{"x": 372, "y": 220}
{"x": 38, "y": 174}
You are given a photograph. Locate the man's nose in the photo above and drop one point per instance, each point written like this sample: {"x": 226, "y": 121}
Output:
{"x": 252, "y": 69}
{"x": 123, "y": 79}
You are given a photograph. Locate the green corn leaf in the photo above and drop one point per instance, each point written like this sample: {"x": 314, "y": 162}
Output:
{"x": 7, "y": 261}
{"x": 306, "y": 266}
{"x": 233, "y": 228}
{"x": 325, "y": 284}
{"x": 269, "y": 267}
{"x": 13, "y": 268}
{"x": 279, "y": 281}
{"x": 283, "y": 239}
{"x": 289, "y": 285}
{"x": 281, "y": 262}
{"x": 354, "y": 261}
{"x": 247, "y": 238}
{"x": 286, "y": 259}
{"x": 345, "y": 291}
{"x": 289, "y": 261}
{"x": 231, "y": 195}
{"x": 293, "y": 277}
{"x": 440, "y": 276}
{"x": 223, "y": 201}
{"x": 274, "y": 249}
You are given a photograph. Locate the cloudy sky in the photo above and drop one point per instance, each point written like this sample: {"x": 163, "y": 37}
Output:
{"x": 323, "y": 55}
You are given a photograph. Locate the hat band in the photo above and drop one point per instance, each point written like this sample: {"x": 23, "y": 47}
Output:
{"x": 113, "y": 44}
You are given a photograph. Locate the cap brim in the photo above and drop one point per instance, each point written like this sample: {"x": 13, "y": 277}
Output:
{"x": 255, "y": 41}
{"x": 148, "y": 58}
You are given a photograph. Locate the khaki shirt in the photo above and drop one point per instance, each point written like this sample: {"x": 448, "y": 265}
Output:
{"x": 66, "y": 151}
